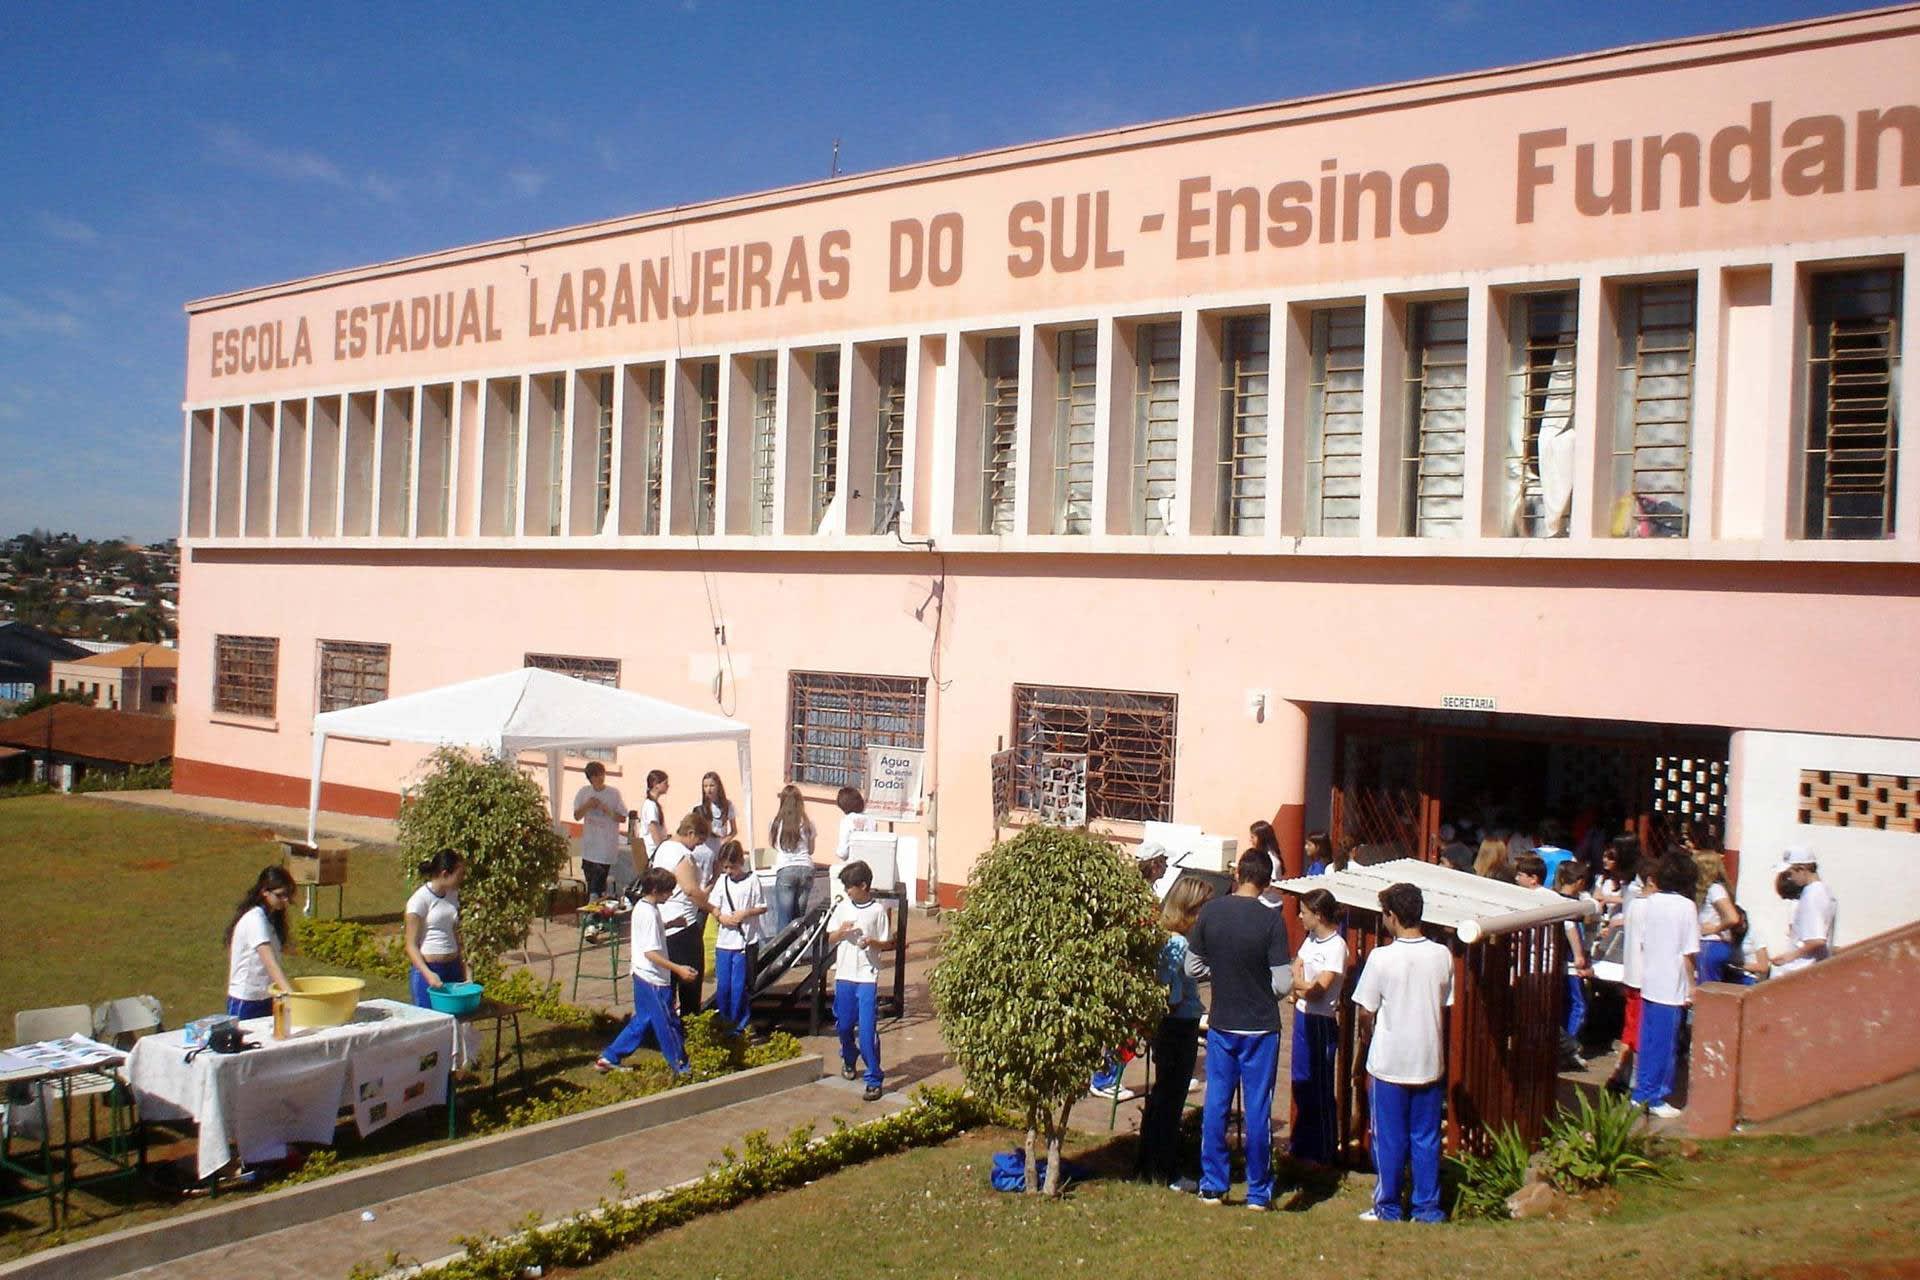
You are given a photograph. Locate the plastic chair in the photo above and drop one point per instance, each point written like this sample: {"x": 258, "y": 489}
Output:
{"x": 121, "y": 1022}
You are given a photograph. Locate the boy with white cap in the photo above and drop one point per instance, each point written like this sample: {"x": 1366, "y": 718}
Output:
{"x": 1810, "y": 934}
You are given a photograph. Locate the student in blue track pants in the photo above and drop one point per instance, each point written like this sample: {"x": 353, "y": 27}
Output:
{"x": 740, "y": 911}
{"x": 1242, "y": 943}
{"x": 859, "y": 926}
{"x": 1669, "y": 938}
{"x": 653, "y": 974}
{"x": 1402, "y": 997}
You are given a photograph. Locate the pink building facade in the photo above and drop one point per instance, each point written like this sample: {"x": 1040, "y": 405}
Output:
{"x": 1522, "y": 441}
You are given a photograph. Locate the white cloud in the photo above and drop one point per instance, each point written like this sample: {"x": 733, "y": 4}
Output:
{"x": 70, "y": 230}
{"x": 382, "y": 189}
{"x": 529, "y": 182}
{"x": 234, "y": 146}
{"x": 20, "y": 319}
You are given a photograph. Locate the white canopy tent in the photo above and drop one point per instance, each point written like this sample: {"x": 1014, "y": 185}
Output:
{"x": 528, "y": 710}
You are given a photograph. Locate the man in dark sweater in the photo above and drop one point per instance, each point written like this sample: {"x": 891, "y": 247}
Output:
{"x": 1242, "y": 944}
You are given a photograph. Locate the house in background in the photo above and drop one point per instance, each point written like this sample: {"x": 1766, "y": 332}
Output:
{"x": 26, "y": 654}
{"x": 135, "y": 677}
{"x": 63, "y": 743}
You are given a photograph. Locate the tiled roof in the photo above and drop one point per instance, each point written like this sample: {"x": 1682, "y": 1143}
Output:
{"x": 133, "y": 655}
{"x": 92, "y": 733}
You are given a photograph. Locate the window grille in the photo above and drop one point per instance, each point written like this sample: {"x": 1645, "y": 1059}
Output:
{"x": 1653, "y": 410}
{"x": 1433, "y": 460}
{"x": 1127, "y": 738}
{"x": 512, "y": 502}
{"x": 557, "y": 456}
{"x": 1156, "y": 425}
{"x": 603, "y": 456}
{"x": 400, "y": 438}
{"x": 1334, "y": 400}
{"x": 351, "y": 674}
{"x": 1243, "y": 425}
{"x": 245, "y": 675}
{"x": 1077, "y": 351}
{"x": 1544, "y": 329}
{"x": 766, "y": 408}
{"x": 443, "y": 449}
{"x": 604, "y": 671}
{"x": 826, "y": 433}
{"x": 832, "y": 718}
{"x": 707, "y": 465}
{"x": 1000, "y": 410}
{"x": 656, "y": 444}
{"x": 1853, "y": 396}
{"x": 889, "y": 436}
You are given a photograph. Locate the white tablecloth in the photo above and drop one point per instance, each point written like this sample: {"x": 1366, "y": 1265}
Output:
{"x": 292, "y": 1090}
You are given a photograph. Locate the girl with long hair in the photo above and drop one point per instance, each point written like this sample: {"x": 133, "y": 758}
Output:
{"x": 1493, "y": 861}
{"x": 791, "y": 835}
{"x": 721, "y": 825}
{"x": 255, "y": 938}
{"x": 1718, "y": 917}
{"x": 1319, "y": 974}
{"x": 1177, "y": 1043}
{"x": 1262, "y": 835}
{"x": 435, "y": 955}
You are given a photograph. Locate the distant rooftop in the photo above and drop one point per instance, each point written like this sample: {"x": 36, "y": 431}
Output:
{"x": 132, "y": 655}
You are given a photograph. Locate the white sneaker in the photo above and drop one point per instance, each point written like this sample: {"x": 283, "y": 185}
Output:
{"x": 1114, "y": 1093}
{"x": 1212, "y": 1201}
{"x": 1369, "y": 1216}
{"x": 1257, "y": 1208}
{"x": 1665, "y": 1111}
{"x": 1185, "y": 1186}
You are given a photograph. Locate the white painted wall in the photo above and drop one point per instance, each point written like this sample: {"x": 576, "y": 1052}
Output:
{"x": 1867, "y": 870}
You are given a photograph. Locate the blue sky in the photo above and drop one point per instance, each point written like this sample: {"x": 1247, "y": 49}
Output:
{"x": 154, "y": 153}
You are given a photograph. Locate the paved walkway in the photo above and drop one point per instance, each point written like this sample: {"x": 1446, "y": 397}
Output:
{"x": 342, "y": 826}
{"x": 422, "y": 1226}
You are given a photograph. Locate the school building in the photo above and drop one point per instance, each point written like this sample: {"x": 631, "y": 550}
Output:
{"x": 1527, "y": 438}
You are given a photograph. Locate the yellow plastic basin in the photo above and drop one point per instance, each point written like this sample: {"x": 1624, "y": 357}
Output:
{"x": 323, "y": 1002}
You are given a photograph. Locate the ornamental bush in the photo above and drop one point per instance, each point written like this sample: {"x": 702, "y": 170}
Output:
{"x": 496, "y": 816}
{"x": 1048, "y": 968}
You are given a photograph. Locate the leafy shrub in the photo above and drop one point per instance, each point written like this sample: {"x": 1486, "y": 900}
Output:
{"x": 1483, "y": 1182}
{"x": 352, "y": 946}
{"x": 762, "y": 1167}
{"x": 151, "y": 777}
{"x": 322, "y": 1163}
{"x": 19, "y": 790}
{"x": 1048, "y": 966}
{"x": 1598, "y": 1143}
{"x": 495, "y": 815}
{"x": 541, "y": 999}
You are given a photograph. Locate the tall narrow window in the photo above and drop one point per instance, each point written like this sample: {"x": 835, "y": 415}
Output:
{"x": 656, "y": 443}
{"x": 1853, "y": 398}
{"x": 766, "y": 403}
{"x": 889, "y": 436}
{"x": 1000, "y": 407}
{"x": 1243, "y": 425}
{"x": 557, "y": 457}
{"x": 707, "y": 443}
{"x": 1334, "y": 398}
{"x": 1156, "y": 425}
{"x": 1543, "y": 329}
{"x": 1433, "y": 472}
{"x": 511, "y": 503}
{"x": 1073, "y": 432}
{"x": 603, "y": 455}
{"x": 1653, "y": 410}
{"x": 826, "y": 433}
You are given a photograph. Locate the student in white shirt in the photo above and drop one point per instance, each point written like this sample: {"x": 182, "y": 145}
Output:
{"x": 721, "y": 826}
{"x": 738, "y": 908}
{"x": 435, "y": 956}
{"x": 1718, "y": 918}
{"x": 652, "y": 821}
{"x": 1319, "y": 974}
{"x": 853, "y": 821}
{"x": 255, "y": 937}
{"x": 791, "y": 835}
{"x": 1402, "y": 996}
{"x": 1810, "y": 935}
{"x": 1668, "y": 936}
{"x": 601, "y": 814}
{"x": 683, "y": 914}
{"x": 860, "y": 926}
{"x": 653, "y": 973}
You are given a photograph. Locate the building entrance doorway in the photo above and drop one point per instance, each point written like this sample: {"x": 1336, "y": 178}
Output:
{"x": 1401, "y": 774}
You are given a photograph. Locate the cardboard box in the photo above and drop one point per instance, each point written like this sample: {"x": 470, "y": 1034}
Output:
{"x": 321, "y": 864}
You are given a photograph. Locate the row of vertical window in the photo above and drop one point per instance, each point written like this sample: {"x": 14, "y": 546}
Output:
{"x": 381, "y": 462}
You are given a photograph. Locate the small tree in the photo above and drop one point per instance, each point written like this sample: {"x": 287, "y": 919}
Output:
{"x": 497, "y": 817}
{"x": 1049, "y": 966}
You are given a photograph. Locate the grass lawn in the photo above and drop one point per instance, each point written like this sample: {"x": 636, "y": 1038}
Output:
{"x": 99, "y": 900}
{"x": 1844, "y": 1205}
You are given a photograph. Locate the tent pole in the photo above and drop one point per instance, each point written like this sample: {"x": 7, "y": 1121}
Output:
{"x": 745, "y": 834}
{"x": 313, "y": 788}
{"x": 553, "y": 788}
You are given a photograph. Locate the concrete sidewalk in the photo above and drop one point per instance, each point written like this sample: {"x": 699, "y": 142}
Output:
{"x": 422, "y": 1227}
{"x": 283, "y": 818}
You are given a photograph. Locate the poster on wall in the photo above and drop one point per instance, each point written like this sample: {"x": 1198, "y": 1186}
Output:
{"x": 1062, "y": 793}
{"x": 1000, "y": 764}
{"x": 896, "y": 778}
